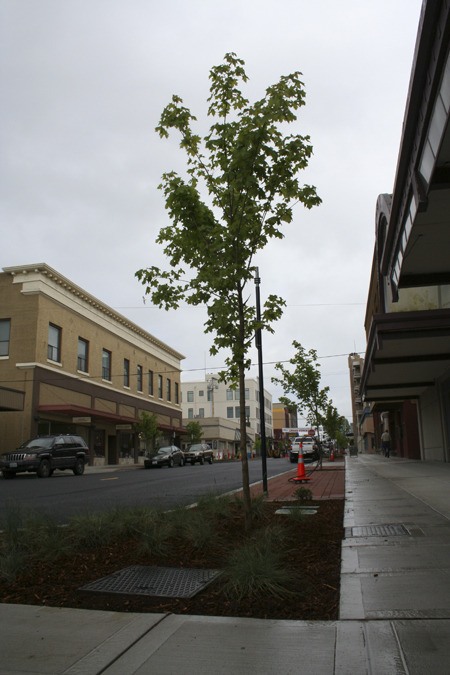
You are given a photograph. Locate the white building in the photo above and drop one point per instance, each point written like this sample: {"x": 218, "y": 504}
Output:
{"x": 210, "y": 398}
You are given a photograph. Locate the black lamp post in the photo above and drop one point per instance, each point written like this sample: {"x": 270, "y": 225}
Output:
{"x": 262, "y": 419}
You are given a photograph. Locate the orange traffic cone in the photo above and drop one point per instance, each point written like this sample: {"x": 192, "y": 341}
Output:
{"x": 301, "y": 473}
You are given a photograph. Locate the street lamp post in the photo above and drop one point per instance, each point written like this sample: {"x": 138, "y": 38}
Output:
{"x": 262, "y": 419}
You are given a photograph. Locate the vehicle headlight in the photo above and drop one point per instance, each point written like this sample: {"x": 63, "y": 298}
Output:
{"x": 30, "y": 455}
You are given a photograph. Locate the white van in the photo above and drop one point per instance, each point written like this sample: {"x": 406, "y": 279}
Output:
{"x": 309, "y": 449}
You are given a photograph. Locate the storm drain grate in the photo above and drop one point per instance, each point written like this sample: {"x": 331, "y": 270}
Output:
{"x": 376, "y": 531}
{"x": 169, "y": 582}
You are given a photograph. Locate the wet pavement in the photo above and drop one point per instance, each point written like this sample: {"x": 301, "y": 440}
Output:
{"x": 394, "y": 612}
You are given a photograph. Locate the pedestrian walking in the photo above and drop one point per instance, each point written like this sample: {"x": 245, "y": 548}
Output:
{"x": 386, "y": 443}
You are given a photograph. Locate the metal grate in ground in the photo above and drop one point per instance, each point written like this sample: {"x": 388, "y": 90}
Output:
{"x": 376, "y": 531}
{"x": 167, "y": 582}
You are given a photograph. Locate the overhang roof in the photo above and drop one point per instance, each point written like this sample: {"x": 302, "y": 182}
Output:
{"x": 418, "y": 236}
{"x": 98, "y": 415}
{"x": 406, "y": 353}
{"x": 11, "y": 399}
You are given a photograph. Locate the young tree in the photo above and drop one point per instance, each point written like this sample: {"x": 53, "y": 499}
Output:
{"x": 303, "y": 382}
{"x": 332, "y": 422}
{"x": 148, "y": 429}
{"x": 194, "y": 431}
{"x": 247, "y": 168}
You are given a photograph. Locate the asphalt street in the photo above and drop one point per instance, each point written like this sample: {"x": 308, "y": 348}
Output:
{"x": 65, "y": 495}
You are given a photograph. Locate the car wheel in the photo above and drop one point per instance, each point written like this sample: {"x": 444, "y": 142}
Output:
{"x": 44, "y": 469}
{"x": 78, "y": 469}
{"x": 8, "y": 474}
{"x": 170, "y": 463}
{"x": 210, "y": 460}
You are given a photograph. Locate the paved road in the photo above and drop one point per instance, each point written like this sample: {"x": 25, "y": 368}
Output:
{"x": 64, "y": 494}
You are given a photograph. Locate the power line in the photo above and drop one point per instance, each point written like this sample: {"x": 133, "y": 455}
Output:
{"x": 164, "y": 372}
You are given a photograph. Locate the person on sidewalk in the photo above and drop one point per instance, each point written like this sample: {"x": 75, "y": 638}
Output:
{"x": 386, "y": 443}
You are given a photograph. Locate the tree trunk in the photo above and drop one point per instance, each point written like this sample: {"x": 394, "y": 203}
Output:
{"x": 243, "y": 426}
{"x": 243, "y": 448}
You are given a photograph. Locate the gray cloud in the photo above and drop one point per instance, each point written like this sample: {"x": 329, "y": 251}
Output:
{"x": 83, "y": 84}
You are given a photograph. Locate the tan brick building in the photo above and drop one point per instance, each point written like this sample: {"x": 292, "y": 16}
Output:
{"x": 70, "y": 364}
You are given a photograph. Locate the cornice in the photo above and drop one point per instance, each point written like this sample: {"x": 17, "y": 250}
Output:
{"x": 26, "y": 274}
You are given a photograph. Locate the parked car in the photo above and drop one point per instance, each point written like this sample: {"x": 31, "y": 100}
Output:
{"x": 45, "y": 454}
{"x": 310, "y": 450}
{"x": 199, "y": 452}
{"x": 167, "y": 456}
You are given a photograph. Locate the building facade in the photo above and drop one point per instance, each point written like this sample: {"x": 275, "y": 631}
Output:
{"x": 355, "y": 366}
{"x": 406, "y": 375}
{"x": 210, "y": 398}
{"x": 283, "y": 418}
{"x": 71, "y": 364}
{"x": 223, "y": 436}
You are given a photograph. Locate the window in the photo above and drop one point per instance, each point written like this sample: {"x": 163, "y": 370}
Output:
{"x": 139, "y": 378}
{"x": 190, "y": 413}
{"x": 230, "y": 412}
{"x": 106, "y": 365}
{"x": 177, "y": 393}
{"x": 247, "y": 412}
{"x": 201, "y": 392}
{"x": 229, "y": 394}
{"x": 83, "y": 353}
{"x": 247, "y": 394}
{"x": 209, "y": 395}
{"x": 201, "y": 412}
{"x": 126, "y": 372}
{"x": 150, "y": 382}
{"x": 190, "y": 396}
{"x": 237, "y": 393}
{"x": 160, "y": 386}
{"x": 5, "y": 331}
{"x": 168, "y": 389}
{"x": 54, "y": 343}
{"x": 237, "y": 411}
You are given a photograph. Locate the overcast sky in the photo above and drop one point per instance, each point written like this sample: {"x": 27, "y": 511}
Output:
{"x": 83, "y": 84}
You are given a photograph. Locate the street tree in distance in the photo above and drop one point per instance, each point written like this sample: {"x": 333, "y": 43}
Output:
{"x": 194, "y": 431}
{"x": 239, "y": 190}
{"x": 149, "y": 431}
{"x": 301, "y": 382}
{"x": 334, "y": 424}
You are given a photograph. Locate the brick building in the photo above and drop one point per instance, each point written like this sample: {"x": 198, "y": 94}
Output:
{"x": 71, "y": 364}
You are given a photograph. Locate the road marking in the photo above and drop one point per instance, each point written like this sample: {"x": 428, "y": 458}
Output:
{"x": 116, "y": 478}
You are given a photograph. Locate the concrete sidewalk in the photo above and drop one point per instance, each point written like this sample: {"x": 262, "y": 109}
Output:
{"x": 394, "y": 613}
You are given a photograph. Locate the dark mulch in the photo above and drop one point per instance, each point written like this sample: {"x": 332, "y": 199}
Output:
{"x": 312, "y": 554}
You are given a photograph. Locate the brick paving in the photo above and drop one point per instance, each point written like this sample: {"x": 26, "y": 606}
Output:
{"x": 325, "y": 483}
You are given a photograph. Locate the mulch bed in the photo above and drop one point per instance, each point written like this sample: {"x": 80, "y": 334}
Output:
{"x": 312, "y": 554}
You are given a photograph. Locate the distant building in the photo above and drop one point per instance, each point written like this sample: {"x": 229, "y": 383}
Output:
{"x": 71, "y": 364}
{"x": 283, "y": 418}
{"x": 202, "y": 400}
{"x": 355, "y": 366}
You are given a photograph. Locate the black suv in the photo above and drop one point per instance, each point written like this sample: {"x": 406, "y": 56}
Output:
{"x": 45, "y": 454}
{"x": 200, "y": 452}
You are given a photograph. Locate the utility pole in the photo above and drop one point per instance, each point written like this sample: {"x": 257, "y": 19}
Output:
{"x": 262, "y": 418}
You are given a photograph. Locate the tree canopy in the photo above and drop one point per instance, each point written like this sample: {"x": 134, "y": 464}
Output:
{"x": 240, "y": 188}
{"x": 194, "y": 431}
{"x": 301, "y": 381}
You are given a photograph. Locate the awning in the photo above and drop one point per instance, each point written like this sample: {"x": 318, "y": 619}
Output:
{"x": 406, "y": 353}
{"x": 76, "y": 411}
{"x": 11, "y": 399}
